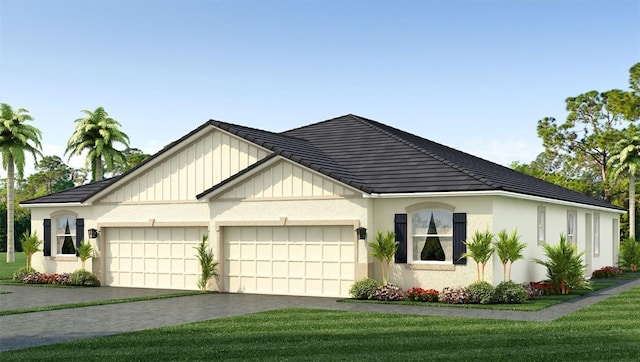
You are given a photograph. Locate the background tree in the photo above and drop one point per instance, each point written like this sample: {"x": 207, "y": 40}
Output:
{"x": 133, "y": 157}
{"x": 98, "y": 133}
{"x": 52, "y": 175}
{"x": 16, "y": 138}
{"x": 626, "y": 160}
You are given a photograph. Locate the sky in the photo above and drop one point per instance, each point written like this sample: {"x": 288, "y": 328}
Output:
{"x": 473, "y": 75}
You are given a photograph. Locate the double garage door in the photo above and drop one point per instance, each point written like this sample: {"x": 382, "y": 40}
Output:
{"x": 160, "y": 257}
{"x": 291, "y": 260}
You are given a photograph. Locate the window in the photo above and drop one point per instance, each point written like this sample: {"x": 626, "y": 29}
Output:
{"x": 431, "y": 236}
{"x": 65, "y": 235}
{"x": 572, "y": 226}
{"x": 596, "y": 234}
{"x": 541, "y": 225}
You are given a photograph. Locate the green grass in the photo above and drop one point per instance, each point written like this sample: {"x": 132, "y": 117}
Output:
{"x": 608, "y": 330}
{"x": 100, "y": 302}
{"x": 7, "y": 269}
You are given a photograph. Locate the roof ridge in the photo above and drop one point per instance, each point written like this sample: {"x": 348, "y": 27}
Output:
{"x": 373, "y": 124}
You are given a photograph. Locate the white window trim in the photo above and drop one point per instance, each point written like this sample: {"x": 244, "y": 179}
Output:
{"x": 572, "y": 222}
{"x": 596, "y": 234}
{"x": 542, "y": 225}
{"x": 54, "y": 235}
{"x": 427, "y": 207}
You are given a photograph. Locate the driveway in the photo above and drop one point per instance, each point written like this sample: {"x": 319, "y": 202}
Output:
{"x": 34, "y": 329}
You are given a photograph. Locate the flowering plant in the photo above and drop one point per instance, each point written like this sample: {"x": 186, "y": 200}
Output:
{"x": 607, "y": 272}
{"x": 422, "y": 295}
{"x": 544, "y": 288}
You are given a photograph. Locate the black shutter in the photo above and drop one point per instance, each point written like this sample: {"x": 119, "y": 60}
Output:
{"x": 401, "y": 238}
{"x": 459, "y": 237}
{"x": 79, "y": 233}
{"x": 47, "y": 237}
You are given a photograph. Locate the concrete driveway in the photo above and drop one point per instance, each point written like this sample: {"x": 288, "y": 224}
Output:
{"x": 40, "y": 328}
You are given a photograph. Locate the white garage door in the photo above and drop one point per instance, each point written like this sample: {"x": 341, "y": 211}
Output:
{"x": 293, "y": 260}
{"x": 152, "y": 257}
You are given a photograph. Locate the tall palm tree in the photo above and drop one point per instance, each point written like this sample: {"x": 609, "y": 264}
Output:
{"x": 16, "y": 137}
{"x": 98, "y": 133}
{"x": 627, "y": 160}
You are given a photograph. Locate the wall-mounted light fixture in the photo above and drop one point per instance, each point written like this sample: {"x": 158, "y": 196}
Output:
{"x": 93, "y": 233}
{"x": 362, "y": 233}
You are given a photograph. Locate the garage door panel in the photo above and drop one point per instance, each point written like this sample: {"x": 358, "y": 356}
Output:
{"x": 297, "y": 260}
{"x": 296, "y": 252}
{"x": 248, "y": 251}
{"x": 313, "y": 270}
{"x": 313, "y": 252}
{"x": 153, "y": 257}
{"x": 263, "y": 251}
{"x": 263, "y": 268}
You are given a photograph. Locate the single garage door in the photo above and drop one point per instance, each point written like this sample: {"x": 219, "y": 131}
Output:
{"x": 159, "y": 257}
{"x": 291, "y": 260}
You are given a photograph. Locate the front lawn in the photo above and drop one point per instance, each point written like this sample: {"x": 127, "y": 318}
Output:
{"x": 608, "y": 330}
{"x": 7, "y": 269}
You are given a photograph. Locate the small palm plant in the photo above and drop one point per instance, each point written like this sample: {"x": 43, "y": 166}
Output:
{"x": 480, "y": 249}
{"x": 383, "y": 249}
{"x": 509, "y": 249}
{"x": 30, "y": 245}
{"x": 630, "y": 254}
{"x": 208, "y": 265}
{"x": 565, "y": 268}
{"x": 85, "y": 252}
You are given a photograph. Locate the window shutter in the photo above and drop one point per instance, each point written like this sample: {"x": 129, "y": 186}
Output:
{"x": 47, "y": 237}
{"x": 459, "y": 236}
{"x": 79, "y": 233}
{"x": 401, "y": 238}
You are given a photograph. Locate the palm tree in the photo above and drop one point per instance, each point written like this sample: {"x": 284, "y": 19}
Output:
{"x": 509, "y": 249}
{"x": 627, "y": 160}
{"x": 16, "y": 137}
{"x": 480, "y": 249}
{"x": 98, "y": 133}
{"x": 383, "y": 249}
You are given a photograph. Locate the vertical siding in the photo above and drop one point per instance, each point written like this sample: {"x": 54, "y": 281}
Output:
{"x": 286, "y": 180}
{"x": 190, "y": 170}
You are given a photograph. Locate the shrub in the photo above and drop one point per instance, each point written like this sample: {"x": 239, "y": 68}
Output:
{"x": 629, "y": 254}
{"x": 607, "y": 272}
{"x": 454, "y": 295}
{"x": 510, "y": 293}
{"x": 390, "y": 292}
{"x": 364, "y": 289}
{"x": 62, "y": 279}
{"x": 34, "y": 278}
{"x": 533, "y": 291}
{"x": 422, "y": 295}
{"x": 565, "y": 268}
{"x": 20, "y": 273}
{"x": 480, "y": 292}
{"x": 544, "y": 288}
{"x": 84, "y": 278}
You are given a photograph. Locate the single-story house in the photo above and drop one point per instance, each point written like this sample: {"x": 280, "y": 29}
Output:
{"x": 287, "y": 213}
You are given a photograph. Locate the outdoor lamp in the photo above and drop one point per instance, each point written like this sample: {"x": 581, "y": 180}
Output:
{"x": 93, "y": 233}
{"x": 362, "y": 233}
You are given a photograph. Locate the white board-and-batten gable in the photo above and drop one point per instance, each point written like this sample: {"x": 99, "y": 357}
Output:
{"x": 283, "y": 178}
{"x": 192, "y": 166}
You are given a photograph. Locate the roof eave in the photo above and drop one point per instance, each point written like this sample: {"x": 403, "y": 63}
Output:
{"x": 614, "y": 208}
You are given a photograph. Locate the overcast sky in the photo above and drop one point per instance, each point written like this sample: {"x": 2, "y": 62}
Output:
{"x": 474, "y": 75}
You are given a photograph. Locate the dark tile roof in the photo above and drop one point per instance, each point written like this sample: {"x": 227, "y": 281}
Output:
{"x": 388, "y": 160}
{"x": 77, "y": 194}
{"x": 374, "y": 158}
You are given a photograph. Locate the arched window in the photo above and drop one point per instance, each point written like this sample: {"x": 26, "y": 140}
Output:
{"x": 65, "y": 235}
{"x": 431, "y": 236}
